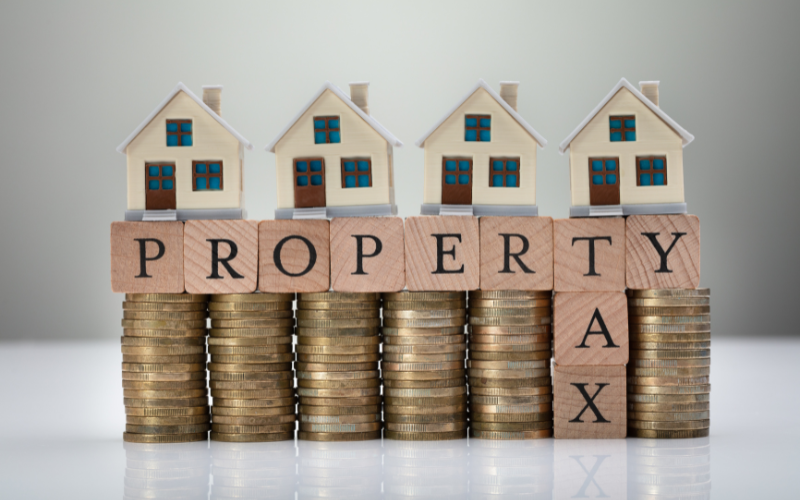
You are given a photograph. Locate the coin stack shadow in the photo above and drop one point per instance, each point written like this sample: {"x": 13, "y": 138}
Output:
{"x": 425, "y": 390}
{"x": 349, "y": 471}
{"x": 428, "y": 470}
{"x": 253, "y": 471}
{"x": 503, "y": 469}
{"x": 155, "y": 471}
{"x": 252, "y": 382}
{"x": 338, "y": 348}
{"x": 164, "y": 368}
{"x": 672, "y": 469}
{"x": 670, "y": 362}
{"x": 510, "y": 346}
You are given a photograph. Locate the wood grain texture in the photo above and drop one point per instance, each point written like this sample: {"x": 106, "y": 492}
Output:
{"x": 569, "y": 402}
{"x": 572, "y": 263}
{"x": 421, "y": 253}
{"x": 197, "y": 254}
{"x": 538, "y": 234}
{"x": 294, "y": 256}
{"x": 165, "y": 274}
{"x": 385, "y": 272}
{"x": 644, "y": 269}
{"x": 576, "y": 313}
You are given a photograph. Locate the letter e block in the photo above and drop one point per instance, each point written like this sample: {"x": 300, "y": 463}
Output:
{"x": 590, "y": 328}
{"x": 221, "y": 256}
{"x": 295, "y": 256}
{"x": 589, "y": 402}
{"x": 663, "y": 251}
{"x": 147, "y": 257}
{"x": 589, "y": 255}
{"x": 442, "y": 253}
{"x": 367, "y": 254}
{"x": 516, "y": 253}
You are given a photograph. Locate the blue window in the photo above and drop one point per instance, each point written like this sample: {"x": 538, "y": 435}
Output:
{"x": 179, "y": 132}
{"x": 504, "y": 172}
{"x": 207, "y": 175}
{"x": 356, "y": 172}
{"x": 604, "y": 171}
{"x": 651, "y": 171}
{"x": 622, "y": 128}
{"x": 457, "y": 171}
{"x": 159, "y": 177}
{"x": 478, "y": 128}
{"x": 450, "y": 179}
{"x": 326, "y": 130}
{"x": 309, "y": 172}
{"x": 153, "y": 185}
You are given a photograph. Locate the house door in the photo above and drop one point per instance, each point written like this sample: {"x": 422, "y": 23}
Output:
{"x": 456, "y": 181}
{"x": 159, "y": 186}
{"x": 309, "y": 182}
{"x": 604, "y": 181}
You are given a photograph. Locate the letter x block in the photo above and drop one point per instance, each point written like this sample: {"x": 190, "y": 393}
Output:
{"x": 294, "y": 256}
{"x": 221, "y": 256}
{"x": 442, "y": 253}
{"x": 367, "y": 254}
{"x": 589, "y": 255}
{"x": 589, "y": 402}
{"x": 663, "y": 251}
{"x": 147, "y": 257}
{"x": 590, "y": 328}
{"x": 516, "y": 253}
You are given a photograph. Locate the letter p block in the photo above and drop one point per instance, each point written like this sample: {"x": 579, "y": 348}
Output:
{"x": 294, "y": 256}
{"x": 147, "y": 257}
{"x": 367, "y": 254}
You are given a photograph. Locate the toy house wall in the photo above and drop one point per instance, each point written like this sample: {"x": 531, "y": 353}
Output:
{"x": 210, "y": 141}
{"x": 653, "y": 137}
{"x": 359, "y": 140}
{"x": 509, "y": 139}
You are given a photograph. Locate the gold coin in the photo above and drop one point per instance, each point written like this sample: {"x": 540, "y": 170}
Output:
{"x": 167, "y": 429}
{"x": 424, "y": 305}
{"x": 338, "y": 393}
{"x": 250, "y": 315}
{"x": 252, "y": 438}
{"x": 140, "y": 411}
{"x": 338, "y": 436}
{"x": 510, "y": 321}
{"x": 335, "y": 333}
{"x": 338, "y": 350}
{"x": 340, "y": 419}
{"x": 164, "y": 394}
{"x": 254, "y": 403}
{"x": 542, "y": 390}
{"x": 505, "y": 408}
{"x": 251, "y": 376}
{"x": 546, "y": 416}
{"x": 424, "y": 410}
{"x": 425, "y": 384}
{"x": 249, "y": 367}
{"x": 425, "y": 393}
{"x": 457, "y": 341}
{"x": 339, "y": 323}
{"x": 163, "y": 342}
{"x": 338, "y": 297}
{"x": 186, "y": 358}
{"x": 426, "y": 367}
{"x": 364, "y": 427}
{"x": 432, "y": 401}
{"x": 164, "y": 438}
{"x": 669, "y": 320}
{"x": 187, "y": 420}
{"x": 165, "y": 403}
{"x": 510, "y": 330}
{"x": 509, "y": 365}
{"x": 669, "y": 390}
{"x": 658, "y": 293}
{"x": 223, "y": 411}
{"x": 339, "y": 376}
{"x": 271, "y": 324}
{"x": 252, "y": 349}
{"x": 339, "y": 410}
{"x": 508, "y": 436}
{"x": 680, "y": 340}
{"x": 316, "y": 342}
{"x": 668, "y": 311}
{"x": 336, "y": 367}
{"x": 426, "y": 375}
{"x": 358, "y": 401}
{"x": 252, "y": 358}
{"x": 163, "y": 386}
{"x": 164, "y": 351}
{"x": 390, "y": 357}
{"x": 432, "y": 418}
{"x": 668, "y": 426}
{"x": 486, "y": 312}
{"x": 669, "y": 363}
{"x": 250, "y": 306}
{"x": 164, "y": 376}
{"x": 510, "y": 304}
{"x": 510, "y": 356}
{"x": 512, "y": 426}
{"x": 337, "y": 315}
{"x": 425, "y": 436}
{"x": 495, "y": 343}
{"x": 667, "y": 381}
{"x": 305, "y": 305}
{"x": 672, "y": 346}
{"x": 136, "y": 324}
{"x": 165, "y": 297}
{"x": 663, "y": 354}
{"x": 425, "y": 349}
{"x": 669, "y": 302}
{"x": 338, "y": 358}
{"x": 423, "y": 296}
{"x": 163, "y": 368}
{"x": 669, "y": 416}
{"x": 270, "y": 393}
{"x": 397, "y": 333}
{"x": 434, "y": 427}
{"x": 700, "y": 330}
{"x": 670, "y": 434}
{"x": 518, "y": 383}
{"x": 339, "y": 384}
{"x": 509, "y": 294}
{"x": 253, "y": 297}
{"x": 508, "y": 373}
{"x": 164, "y": 306}
{"x": 425, "y": 314}
{"x": 251, "y": 333}
{"x": 252, "y": 429}
{"x": 475, "y": 399}
{"x": 424, "y": 323}
{"x": 694, "y": 371}
{"x": 164, "y": 316}
{"x": 668, "y": 407}
{"x": 250, "y": 385}
{"x": 659, "y": 399}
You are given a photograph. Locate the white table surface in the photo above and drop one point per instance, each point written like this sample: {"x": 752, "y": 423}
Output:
{"x": 61, "y": 420}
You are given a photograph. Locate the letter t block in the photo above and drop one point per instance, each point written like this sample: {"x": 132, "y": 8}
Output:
{"x": 589, "y": 255}
{"x": 589, "y": 402}
{"x": 442, "y": 253}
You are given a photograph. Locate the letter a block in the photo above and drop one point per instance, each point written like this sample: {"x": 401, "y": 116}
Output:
{"x": 590, "y": 328}
{"x": 516, "y": 253}
{"x": 589, "y": 402}
{"x": 442, "y": 253}
{"x": 589, "y": 255}
{"x": 221, "y": 256}
{"x": 663, "y": 251}
{"x": 147, "y": 257}
{"x": 367, "y": 254}
{"x": 294, "y": 256}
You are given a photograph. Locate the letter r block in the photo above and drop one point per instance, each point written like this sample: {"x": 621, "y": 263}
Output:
{"x": 367, "y": 254}
{"x": 221, "y": 256}
{"x": 590, "y": 328}
{"x": 516, "y": 253}
{"x": 147, "y": 257}
{"x": 589, "y": 255}
{"x": 294, "y": 256}
{"x": 589, "y": 402}
{"x": 442, "y": 253}
{"x": 663, "y": 251}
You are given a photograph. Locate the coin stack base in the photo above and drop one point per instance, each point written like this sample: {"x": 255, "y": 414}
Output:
{"x": 670, "y": 360}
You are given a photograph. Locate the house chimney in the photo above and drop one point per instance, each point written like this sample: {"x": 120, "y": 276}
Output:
{"x": 508, "y": 91}
{"x": 650, "y": 90}
{"x": 359, "y": 94}
{"x": 212, "y": 97}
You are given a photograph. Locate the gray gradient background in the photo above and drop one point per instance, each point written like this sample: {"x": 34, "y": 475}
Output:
{"x": 78, "y": 77}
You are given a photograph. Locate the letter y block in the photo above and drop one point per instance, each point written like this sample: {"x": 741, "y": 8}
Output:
{"x": 221, "y": 256}
{"x": 663, "y": 251}
{"x": 294, "y": 256}
{"x": 147, "y": 257}
{"x": 442, "y": 253}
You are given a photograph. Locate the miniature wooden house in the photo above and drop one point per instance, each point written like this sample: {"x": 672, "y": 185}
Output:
{"x": 626, "y": 157}
{"x": 480, "y": 158}
{"x": 335, "y": 160}
{"x": 184, "y": 161}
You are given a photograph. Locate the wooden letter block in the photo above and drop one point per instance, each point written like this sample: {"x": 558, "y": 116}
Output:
{"x": 295, "y": 256}
{"x": 367, "y": 254}
{"x": 221, "y": 256}
{"x": 663, "y": 251}
{"x": 442, "y": 253}
{"x": 516, "y": 253}
{"x": 589, "y": 255}
{"x": 595, "y": 469}
{"x": 147, "y": 257}
{"x": 589, "y": 402}
{"x": 590, "y": 328}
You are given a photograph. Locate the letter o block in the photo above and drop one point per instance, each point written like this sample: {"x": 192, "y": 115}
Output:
{"x": 367, "y": 254}
{"x": 147, "y": 257}
{"x": 221, "y": 256}
{"x": 294, "y": 256}
{"x": 442, "y": 253}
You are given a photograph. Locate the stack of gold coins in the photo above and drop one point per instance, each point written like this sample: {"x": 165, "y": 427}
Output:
{"x": 670, "y": 361}
{"x": 166, "y": 471}
{"x": 504, "y": 469}
{"x": 252, "y": 381}
{"x": 510, "y": 346}
{"x": 429, "y": 470}
{"x": 242, "y": 470}
{"x": 164, "y": 367}
{"x": 349, "y": 471}
{"x": 669, "y": 469}
{"x": 425, "y": 390}
{"x": 338, "y": 349}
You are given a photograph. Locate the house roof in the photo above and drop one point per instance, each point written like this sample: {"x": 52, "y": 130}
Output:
{"x": 685, "y": 135}
{"x": 482, "y": 84}
{"x": 394, "y": 141}
{"x": 178, "y": 88}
